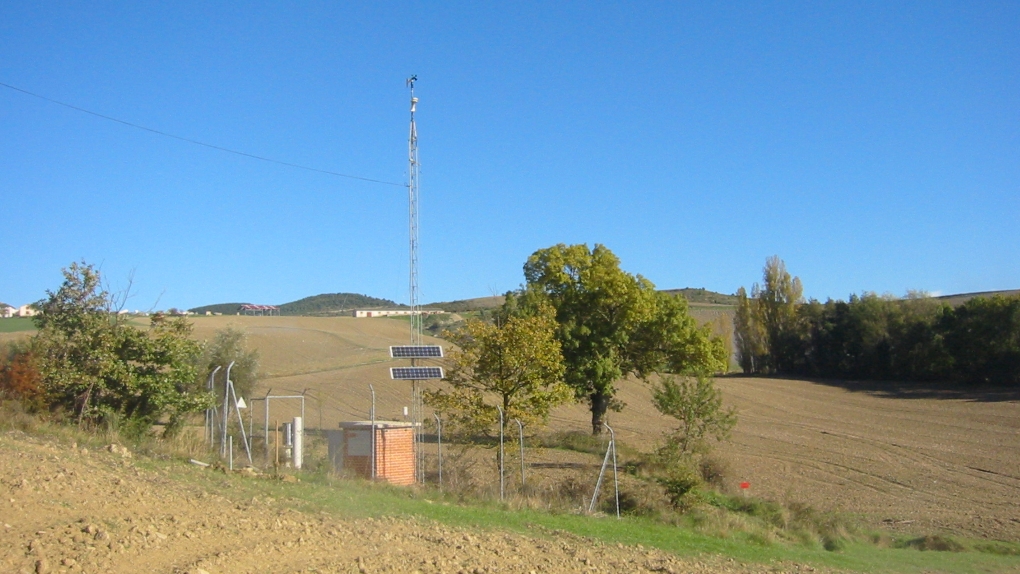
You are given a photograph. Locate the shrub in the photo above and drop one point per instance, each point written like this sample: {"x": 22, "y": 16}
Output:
{"x": 935, "y": 542}
{"x": 696, "y": 405}
{"x": 714, "y": 471}
{"x": 20, "y": 378}
{"x": 97, "y": 366}
{"x": 680, "y": 486}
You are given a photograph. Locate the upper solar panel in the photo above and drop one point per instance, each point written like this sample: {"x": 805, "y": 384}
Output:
{"x": 415, "y": 373}
{"x": 416, "y": 352}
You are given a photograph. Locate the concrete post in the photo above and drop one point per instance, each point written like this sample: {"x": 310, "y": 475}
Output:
{"x": 299, "y": 442}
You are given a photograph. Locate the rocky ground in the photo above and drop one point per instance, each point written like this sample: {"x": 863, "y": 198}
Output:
{"x": 70, "y": 509}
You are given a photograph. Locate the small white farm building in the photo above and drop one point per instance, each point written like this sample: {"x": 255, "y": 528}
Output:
{"x": 361, "y": 313}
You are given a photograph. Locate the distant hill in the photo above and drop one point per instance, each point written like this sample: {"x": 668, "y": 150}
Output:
{"x": 962, "y": 298}
{"x": 465, "y": 305}
{"x": 334, "y": 304}
{"x": 318, "y": 305}
{"x": 223, "y": 308}
{"x": 704, "y": 296}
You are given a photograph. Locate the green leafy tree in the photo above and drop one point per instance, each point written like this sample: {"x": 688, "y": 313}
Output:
{"x": 670, "y": 340}
{"x": 611, "y": 324}
{"x": 230, "y": 344}
{"x": 696, "y": 404}
{"x": 515, "y": 363}
{"x": 95, "y": 365}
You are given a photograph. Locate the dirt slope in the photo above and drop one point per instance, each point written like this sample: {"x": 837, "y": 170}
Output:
{"x": 65, "y": 509}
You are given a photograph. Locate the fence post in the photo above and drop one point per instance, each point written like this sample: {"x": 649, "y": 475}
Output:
{"x": 439, "y": 441}
{"x": 520, "y": 428}
{"x": 500, "y": 452}
{"x": 616, "y": 480}
{"x": 372, "y": 442}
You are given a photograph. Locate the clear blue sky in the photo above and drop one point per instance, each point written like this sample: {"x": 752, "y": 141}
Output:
{"x": 874, "y": 146}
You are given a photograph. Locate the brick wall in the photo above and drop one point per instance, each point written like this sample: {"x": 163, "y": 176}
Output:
{"x": 394, "y": 458}
{"x": 394, "y": 447}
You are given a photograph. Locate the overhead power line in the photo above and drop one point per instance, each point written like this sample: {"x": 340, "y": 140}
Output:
{"x": 196, "y": 142}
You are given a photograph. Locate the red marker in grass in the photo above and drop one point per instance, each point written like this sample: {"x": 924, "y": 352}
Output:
{"x": 744, "y": 486}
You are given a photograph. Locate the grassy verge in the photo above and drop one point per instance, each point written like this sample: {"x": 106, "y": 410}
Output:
{"x": 354, "y": 498}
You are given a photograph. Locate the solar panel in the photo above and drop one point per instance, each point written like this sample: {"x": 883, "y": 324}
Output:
{"x": 416, "y": 352}
{"x": 415, "y": 373}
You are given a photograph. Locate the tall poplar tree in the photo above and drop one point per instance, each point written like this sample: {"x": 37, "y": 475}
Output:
{"x": 767, "y": 324}
{"x": 748, "y": 337}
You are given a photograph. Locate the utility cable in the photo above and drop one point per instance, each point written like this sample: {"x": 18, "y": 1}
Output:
{"x": 196, "y": 142}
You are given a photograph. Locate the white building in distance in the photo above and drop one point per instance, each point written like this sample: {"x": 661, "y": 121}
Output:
{"x": 361, "y": 314}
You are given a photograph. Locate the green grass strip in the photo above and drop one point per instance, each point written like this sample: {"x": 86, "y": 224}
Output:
{"x": 357, "y": 499}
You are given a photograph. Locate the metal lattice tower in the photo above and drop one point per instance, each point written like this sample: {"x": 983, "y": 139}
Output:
{"x": 416, "y": 317}
{"x": 412, "y": 200}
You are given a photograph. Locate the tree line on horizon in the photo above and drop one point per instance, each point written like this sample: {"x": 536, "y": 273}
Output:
{"x": 871, "y": 337}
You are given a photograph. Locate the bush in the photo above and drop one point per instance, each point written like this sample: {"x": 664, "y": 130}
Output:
{"x": 20, "y": 378}
{"x": 680, "y": 486}
{"x": 998, "y": 548}
{"x": 94, "y": 364}
{"x": 714, "y": 471}
{"x": 230, "y": 345}
{"x": 934, "y": 542}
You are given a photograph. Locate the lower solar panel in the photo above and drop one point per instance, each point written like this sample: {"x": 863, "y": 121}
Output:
{"x": 415, "y": 373}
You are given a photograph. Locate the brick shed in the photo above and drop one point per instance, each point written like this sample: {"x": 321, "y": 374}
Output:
{"x": 350, "y": 450}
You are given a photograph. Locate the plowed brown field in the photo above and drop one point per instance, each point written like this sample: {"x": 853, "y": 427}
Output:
{"x": 914, "y": 461}
{"x": 940, "y": 462}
